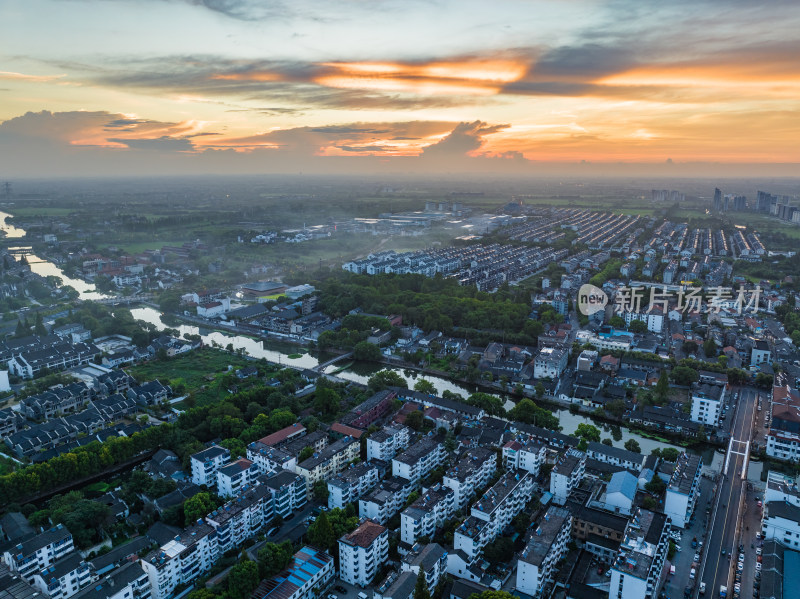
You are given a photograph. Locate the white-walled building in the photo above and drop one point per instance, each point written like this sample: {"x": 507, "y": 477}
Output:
{"x": 637, "y": 570}
{"x": 288, "y": 492}
{"x": 620, "y": 492}
{"x": 707, "y": 404}
{"x": 781, "y": 522}
{"x": 382, "y": 503}
{"x": 782, "y": 488}
{"x": 233, "y": 478}
{"x": 566, "y": 475}
{"x": 214, "y": 308}
{"x": 550, "y": 362}
{"x": 206, "y": 463}
{"x": 473, "y": 471}
{"x": 181, "y": 560}
{"x": 683, "y": 489}
{"x": 129, "y": 581}
{"x": 363, "y": 552}
{"x": 328, "y": 462}
{"x": 64, "y": 578}
{"x": 546, "y": 545}
{"x": 419, "y": 460}
{"x": 783, "y": 437}
{"x": 309, "y": 571}
{"x": 431, "y": 559}
{"x": 270, "y": 459}
{"x": 616, "y": 456}
{"x": 242, "y": 518}
{"x": 30, "y": 557}
{"x": 387, "y": 442}
{"x": 524, "y": 453}
{"x": 350, "y": 484}
{"x": 430, "y": 511}
{"x": 492, "y": 512}
{"x": 654, "y": 320}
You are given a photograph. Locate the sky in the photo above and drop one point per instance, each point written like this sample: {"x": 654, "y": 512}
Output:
{"x": 129, "y": 87}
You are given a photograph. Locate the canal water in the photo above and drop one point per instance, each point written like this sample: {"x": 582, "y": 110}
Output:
{"x": 46, "y": 268}
{"x": 357, "y": 372}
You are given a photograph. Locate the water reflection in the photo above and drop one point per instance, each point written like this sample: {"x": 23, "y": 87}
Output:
{"x": 48, "y": 269}
{"x": 252, "y": 347}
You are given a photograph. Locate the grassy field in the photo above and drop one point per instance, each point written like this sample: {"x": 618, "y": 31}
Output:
{"x": 137, "y": 247}
{"x": 190, "y": 369}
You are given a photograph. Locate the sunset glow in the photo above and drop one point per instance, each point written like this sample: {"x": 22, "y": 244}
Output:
{"x": 450, "y": 84}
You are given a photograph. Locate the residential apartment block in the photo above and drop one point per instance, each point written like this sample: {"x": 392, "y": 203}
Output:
{"x": 546, "y": 545}
{"x": 524, "y": 453}
{"x": 566, "y": 475}
{"x": 387, "y": 442}
{"x": 351, "y": 484}
{"x": 206, "y": 463}
{"x": 419, "y": 459}
{"x": 363, "y": 552}
{"x": 473, "y": 471}
{"x": 331, "y": 460}
{"x": 421, "y": 519}
{"x": 683, "y": 489}
{"x": 639, "y": 566}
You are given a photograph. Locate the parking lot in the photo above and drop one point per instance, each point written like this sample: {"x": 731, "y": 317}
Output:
{"x": 677, "y": 584}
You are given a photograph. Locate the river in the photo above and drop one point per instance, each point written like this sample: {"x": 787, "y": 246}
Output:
{"x": 359, "y": 372}
{"x": 280, "y": 353}
{"x": 46, "y": 268}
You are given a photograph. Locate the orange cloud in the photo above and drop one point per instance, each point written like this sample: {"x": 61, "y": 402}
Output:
{"x": 470, "y": 76}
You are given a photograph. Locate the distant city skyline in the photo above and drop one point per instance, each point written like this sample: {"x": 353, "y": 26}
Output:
{"x": 127, "y": 87}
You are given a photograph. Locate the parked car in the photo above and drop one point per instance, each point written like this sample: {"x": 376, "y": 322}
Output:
{"x": 340, "y": 588}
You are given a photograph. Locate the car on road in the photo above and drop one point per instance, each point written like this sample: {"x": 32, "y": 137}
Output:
{"x": 758, "y": 567}
{"x": 723, "y": 552}
{"x": 340, "y": 588}
{"x": 332, "y": 596}
{"x": 702, "y": 588}
{"x": 273, "y": 531}
{"x": 697, "y": 557}
{"x": 758, "y": 551}
{"x": 692, "y": 573}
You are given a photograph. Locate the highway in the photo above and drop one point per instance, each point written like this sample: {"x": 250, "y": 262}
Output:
{"x": 728, "y": 503}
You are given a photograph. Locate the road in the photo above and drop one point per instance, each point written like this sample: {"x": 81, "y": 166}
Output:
{"x": 729, "y": 503}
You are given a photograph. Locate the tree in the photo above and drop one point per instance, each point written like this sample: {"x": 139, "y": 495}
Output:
{"x": 421, "y": 588}
{"x": 607, "y": 441}
{"x": 384, "y": 379}
{"x": 414, "y": 420}
{"x": 527, "y": 411}
{"x": 235, "y": 446}
{"x": 320, "y": 533}
{"x": 637, "y": 326}
{"x": 243, "y": 579}
{"x": 273, "y": 558}
{"x": 763, "y": 380}
{"x": 38, "y": 328}
{"x": 491, "y": 404}
{"x": 633, "y": 445}
{"x": 710, "y": 348}
{"x": 656, "y": 486}
{"x": 197, "y": 507}
{"x": 588, "y": 432}
{"x": 684, "y": 375}
{"x": 305, "y": 453}
{"x": 327, "y": 401}
{"x": 500, "y": 550}
{"x": 539, "y": 389}
{"x": 425, "y": 386}
{"x": 367, "y": 352}
{"x": 320, "y": 491}
{"x": 617, "y": 322}
{"x": 662, "y": 386}
{"x": 689, "y": 347}
{"x": 616, "y": 433}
